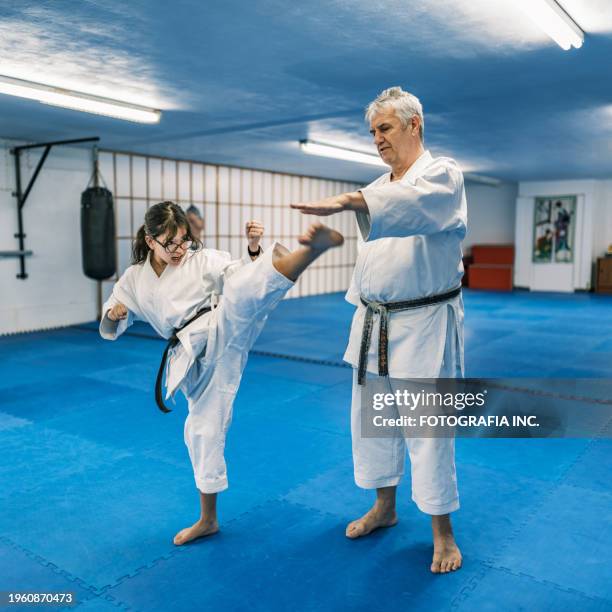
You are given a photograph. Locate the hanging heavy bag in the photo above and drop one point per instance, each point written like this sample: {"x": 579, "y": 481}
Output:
{"x": 98, "y": 233}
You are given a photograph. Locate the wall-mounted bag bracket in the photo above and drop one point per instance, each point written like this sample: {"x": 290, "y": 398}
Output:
{"x": 22, "y": 196}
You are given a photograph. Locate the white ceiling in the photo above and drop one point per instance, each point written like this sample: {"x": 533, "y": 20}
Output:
{"x": 242, "y": 82}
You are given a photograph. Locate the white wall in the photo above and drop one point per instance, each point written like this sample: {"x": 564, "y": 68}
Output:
{"x": 56, "y": 292}
{"x": 491, "y": 212}
{"x": 594, "y": 225}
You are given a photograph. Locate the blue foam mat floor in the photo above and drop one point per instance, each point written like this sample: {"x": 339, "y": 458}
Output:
{"x": 95, "y": 481}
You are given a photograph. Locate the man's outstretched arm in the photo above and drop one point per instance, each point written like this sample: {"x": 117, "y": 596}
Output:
{"x": 430, "y": 204}
{"x": 351, "y": 201}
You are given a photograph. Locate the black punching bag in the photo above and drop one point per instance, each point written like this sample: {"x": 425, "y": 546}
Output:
{"x": 98, "y": 233}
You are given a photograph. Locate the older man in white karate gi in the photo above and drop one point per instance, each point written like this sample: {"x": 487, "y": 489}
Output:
{"x": 408, "y": 273}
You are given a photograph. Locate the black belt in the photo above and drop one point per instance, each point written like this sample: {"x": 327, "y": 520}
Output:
{"x": 172, "y": 342}
{"x": 383, "y": 342}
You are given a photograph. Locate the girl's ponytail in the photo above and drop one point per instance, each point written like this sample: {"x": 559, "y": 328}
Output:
{"x": 140, "y": 249}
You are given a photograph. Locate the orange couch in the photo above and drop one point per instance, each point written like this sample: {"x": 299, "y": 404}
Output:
{"x": 492, "y": 267}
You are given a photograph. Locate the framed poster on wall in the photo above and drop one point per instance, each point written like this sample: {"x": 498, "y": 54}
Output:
{"x": 554, "y": 229}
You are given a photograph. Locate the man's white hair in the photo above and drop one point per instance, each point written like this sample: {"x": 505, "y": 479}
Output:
{"x": 405, "y": 105}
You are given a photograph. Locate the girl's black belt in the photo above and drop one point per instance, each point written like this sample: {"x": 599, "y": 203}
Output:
{"x": 172, "y": 342}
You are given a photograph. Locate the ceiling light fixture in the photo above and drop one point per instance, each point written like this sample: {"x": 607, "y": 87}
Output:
{"x": 550, "y": 17}
{"x": 328, "y": 150}
{"x": 58, "y": 96}
{"x": 481, "y": 179}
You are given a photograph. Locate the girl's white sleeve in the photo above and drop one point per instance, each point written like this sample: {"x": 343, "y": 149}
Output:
{"x": 123, "y": 293}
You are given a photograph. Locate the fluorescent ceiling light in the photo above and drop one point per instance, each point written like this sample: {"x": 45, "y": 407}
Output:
{"x": 551, "y": 18}
{"x": 57, "y": 96}
{"x": 327, "y": 150}
{"x": 481, "y": 179}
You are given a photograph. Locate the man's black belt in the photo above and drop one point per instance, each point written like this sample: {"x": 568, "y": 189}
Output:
{"x": 172, "y": 342}
{"x": 383, "y": 341}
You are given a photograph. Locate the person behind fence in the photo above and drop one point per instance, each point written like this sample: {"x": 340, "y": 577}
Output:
{"x": 196, "y": 224}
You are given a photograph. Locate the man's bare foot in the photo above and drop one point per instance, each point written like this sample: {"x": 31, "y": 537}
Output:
{"x": 197, "y": 530}
{"x": 375, "y": 518}
{"x": 447, "y": 556}
{"x": 320, "y": 237}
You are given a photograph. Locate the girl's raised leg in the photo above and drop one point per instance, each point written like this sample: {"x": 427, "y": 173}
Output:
{"x": 317, "y": 239}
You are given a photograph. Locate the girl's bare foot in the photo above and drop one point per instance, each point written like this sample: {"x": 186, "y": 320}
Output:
{"x": 320, "y": 237}
{"x": 375, "y": 518}
{"x": 197, "y": 530}
{"x": 447, "y": 556}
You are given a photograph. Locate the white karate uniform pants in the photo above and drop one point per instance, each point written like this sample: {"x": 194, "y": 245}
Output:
{"x": 249, "y": 295}
{"x": 379, "y": 462}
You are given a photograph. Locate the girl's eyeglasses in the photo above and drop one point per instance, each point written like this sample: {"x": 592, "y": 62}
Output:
{"x": 173, "y": 247}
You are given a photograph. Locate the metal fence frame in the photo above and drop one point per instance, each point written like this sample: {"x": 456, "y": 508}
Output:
{"x": 227, "y": 196}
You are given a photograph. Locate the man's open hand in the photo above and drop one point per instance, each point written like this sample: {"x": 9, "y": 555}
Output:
{"x": 322, "y": 208}
{"x": 330, "y": 206}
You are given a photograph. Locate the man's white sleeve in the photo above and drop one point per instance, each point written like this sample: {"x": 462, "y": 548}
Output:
{"x": 430, "y": 204}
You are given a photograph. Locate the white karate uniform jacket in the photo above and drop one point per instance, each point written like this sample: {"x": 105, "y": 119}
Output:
{"x": 168, "y": 301}
{"x": 410, "y": 247}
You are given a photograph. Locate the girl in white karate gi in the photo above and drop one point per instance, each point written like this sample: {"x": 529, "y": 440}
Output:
{"x": 167, "y": 284}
